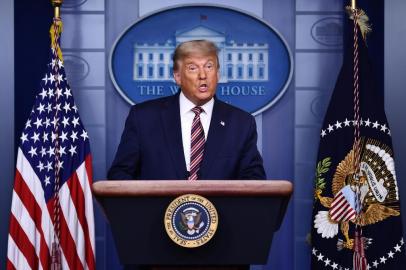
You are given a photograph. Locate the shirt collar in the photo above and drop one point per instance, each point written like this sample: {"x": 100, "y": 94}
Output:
{"x": 186, "y": 105}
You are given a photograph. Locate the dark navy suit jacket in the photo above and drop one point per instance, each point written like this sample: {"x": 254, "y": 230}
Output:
{"x": 151, "y": 144}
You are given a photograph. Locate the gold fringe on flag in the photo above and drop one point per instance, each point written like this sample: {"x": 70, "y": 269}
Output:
{"x": 362, "y": 21}
{"x": 55, "y": 32}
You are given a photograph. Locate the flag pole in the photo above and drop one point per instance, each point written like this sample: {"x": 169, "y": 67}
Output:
{"x": 353, "y": 4}
{"x": 359, "y": 259}
{"x": 56, "y": 29}
{"x": 57, "y": 7}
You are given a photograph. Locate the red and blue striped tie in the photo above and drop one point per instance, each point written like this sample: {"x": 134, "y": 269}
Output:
{"x": 196, "y": 145}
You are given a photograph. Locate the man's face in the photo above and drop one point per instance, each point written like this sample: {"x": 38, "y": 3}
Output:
{"x": 197, "y": 76}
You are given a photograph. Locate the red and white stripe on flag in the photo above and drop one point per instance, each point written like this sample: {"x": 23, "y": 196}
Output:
{"x": 341, "y": 208}
{"x": 31, "y": 228}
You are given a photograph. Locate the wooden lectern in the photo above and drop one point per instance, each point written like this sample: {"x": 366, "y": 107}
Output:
{"x": 249, "y": 213}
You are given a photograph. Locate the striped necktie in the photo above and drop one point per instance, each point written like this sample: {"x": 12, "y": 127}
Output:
{"x": 196, "y": 145}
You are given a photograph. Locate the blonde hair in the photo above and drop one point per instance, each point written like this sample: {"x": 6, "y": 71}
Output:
{"x": 194, "y": 47}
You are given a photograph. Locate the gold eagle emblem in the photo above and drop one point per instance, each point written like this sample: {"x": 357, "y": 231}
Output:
{"x": 375, "y": 186}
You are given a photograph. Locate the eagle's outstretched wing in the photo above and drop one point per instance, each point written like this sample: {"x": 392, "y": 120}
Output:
{"x": 376, "y": 212}
{"x": 183, "y": 219}
{"x": 344, "y": 170}
{"x": 197, "y": 219}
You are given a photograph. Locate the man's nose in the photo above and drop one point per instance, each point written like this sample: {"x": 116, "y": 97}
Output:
{"x": 202, "y": 73}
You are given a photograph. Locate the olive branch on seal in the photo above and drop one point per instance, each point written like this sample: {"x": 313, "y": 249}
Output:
{"x": 319, "y": 181}
{"x": 183, "y": 228}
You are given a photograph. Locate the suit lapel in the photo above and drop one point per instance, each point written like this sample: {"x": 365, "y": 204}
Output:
{"x": 216, "y": 135}
{"x": 173, "y": 131}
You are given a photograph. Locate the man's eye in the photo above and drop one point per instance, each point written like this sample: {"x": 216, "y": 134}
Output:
{"x": 209, "y": 67}
{"x": 192, "y": 68}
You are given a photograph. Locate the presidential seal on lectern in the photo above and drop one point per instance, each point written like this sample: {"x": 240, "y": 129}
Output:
{"x": 191, "y": 220}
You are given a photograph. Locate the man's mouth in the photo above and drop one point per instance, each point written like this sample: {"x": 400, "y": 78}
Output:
{"x": 203, "y": 87}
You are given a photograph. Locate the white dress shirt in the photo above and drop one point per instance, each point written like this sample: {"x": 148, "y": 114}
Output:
{"x": 186, "y": 120}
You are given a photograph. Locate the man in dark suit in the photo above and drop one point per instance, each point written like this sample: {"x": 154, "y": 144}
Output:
{"x": 190, "y": 135}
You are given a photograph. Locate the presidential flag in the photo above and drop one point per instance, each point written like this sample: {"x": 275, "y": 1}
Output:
{"x": 51, "y": 221}
{"x": 356, "y": 220}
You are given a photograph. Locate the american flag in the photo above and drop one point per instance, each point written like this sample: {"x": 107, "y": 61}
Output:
{"x": 54, "y": 147}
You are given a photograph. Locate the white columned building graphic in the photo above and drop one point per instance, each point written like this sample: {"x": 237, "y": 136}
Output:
{"x": 238, "y": 61}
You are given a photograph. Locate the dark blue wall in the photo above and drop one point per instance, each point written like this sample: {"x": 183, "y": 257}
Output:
{"x": 32, "y": 20}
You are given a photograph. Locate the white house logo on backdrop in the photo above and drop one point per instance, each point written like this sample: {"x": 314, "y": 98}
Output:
{"x": 328, "y": 31}
{"x": 238, "y": 61}
{"x": 77, "y": 68}
{"x": 255, "y": 62}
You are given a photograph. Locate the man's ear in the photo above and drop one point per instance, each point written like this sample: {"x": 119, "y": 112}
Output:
{"x": 176, "y": 76}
